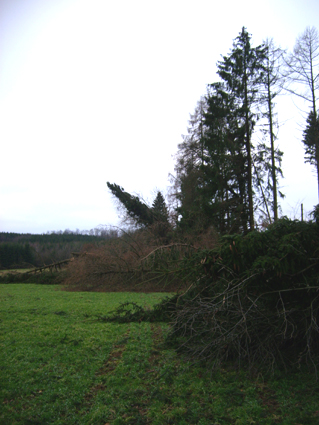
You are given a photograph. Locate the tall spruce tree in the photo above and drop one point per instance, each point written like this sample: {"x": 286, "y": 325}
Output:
{"x": 243, "y": 73}
{"x": 224, "y": 171}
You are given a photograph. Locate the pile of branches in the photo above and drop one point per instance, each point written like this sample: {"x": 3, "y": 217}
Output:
{"x": 253, "y": 300}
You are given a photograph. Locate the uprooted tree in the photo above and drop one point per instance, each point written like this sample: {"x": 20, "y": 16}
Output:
{"x": 255, "y": 300}
{"x": 139, "y": 259}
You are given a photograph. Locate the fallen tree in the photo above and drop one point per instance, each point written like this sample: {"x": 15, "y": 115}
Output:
{"x": 253, "y": 300}
{"x": 133, "y": 262}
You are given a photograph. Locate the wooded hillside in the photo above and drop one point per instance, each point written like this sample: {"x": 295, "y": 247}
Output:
{"x": 20, "y": 250}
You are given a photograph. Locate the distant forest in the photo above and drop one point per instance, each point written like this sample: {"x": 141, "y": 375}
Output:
{"x": 19, "y": 250}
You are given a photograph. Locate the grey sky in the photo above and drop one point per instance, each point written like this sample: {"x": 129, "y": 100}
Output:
{"x": 96, "y": 91}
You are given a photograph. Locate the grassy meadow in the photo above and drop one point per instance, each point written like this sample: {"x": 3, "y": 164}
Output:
{"x": 61, "y": 365}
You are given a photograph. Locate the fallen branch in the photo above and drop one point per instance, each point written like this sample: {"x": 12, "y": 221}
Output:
{"x": 50, "y": 266}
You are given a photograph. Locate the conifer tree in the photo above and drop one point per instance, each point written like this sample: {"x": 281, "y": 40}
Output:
{"x": 154, "y": 217}
{"x": 137, "y": 210}
{"x": 243, "y": 73}
{"x": 159, "y": 208}
{"x": 310, "y": 138}
{"x": 188, "y": 180}
{"x": 224, "y": 172}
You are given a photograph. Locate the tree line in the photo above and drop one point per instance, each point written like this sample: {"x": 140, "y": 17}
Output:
{"x": 27, "y": 250}
{"x": 228, "y": 165}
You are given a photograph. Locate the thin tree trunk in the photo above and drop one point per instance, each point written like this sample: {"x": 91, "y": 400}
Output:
{"x": 249, "y": 164}
{"x": 272, "y": 147}
{"x": 317, "y": 151}
{"x": 315, "y": 114}
{"x": 263, "y": 193}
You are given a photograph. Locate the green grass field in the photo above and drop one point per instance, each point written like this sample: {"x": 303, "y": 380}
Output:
{"x": 60, "y": 365}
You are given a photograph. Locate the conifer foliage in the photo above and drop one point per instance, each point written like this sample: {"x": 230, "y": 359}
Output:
{"x": 155, "y": 217}
{"x": 220, "y": 169}
{"x": 159, "y": 208}
{"x": 311, "y": 139}
{"x": 135, "y": 208}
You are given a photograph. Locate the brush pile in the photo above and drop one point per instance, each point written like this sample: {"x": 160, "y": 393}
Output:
{"x": 254, "y": 299}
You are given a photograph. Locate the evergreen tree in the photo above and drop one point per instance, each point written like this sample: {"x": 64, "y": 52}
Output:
{"x": 159, "y": 208}
{"x": 134, "y": 207}
{"x": 224, "y": 171}
{"x": 188, "y": 180}
{"x": 154, "y": 218}
{"x": 243, "y": 73}
{"x": 310, "y": 139}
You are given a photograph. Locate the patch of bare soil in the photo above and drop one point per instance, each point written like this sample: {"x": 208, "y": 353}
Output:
{"x": 268, "y": 399}
{"x": 108, "y": 367}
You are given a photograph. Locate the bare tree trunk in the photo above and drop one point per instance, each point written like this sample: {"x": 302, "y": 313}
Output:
{"x": 303, "y": 69}
{"x": 313, "y": 94}
{"x": 249, "y": 161}
{"x": 272, "y": 147}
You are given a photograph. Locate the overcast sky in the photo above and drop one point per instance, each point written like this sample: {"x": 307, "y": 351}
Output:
{"x": 96, "y": 90}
